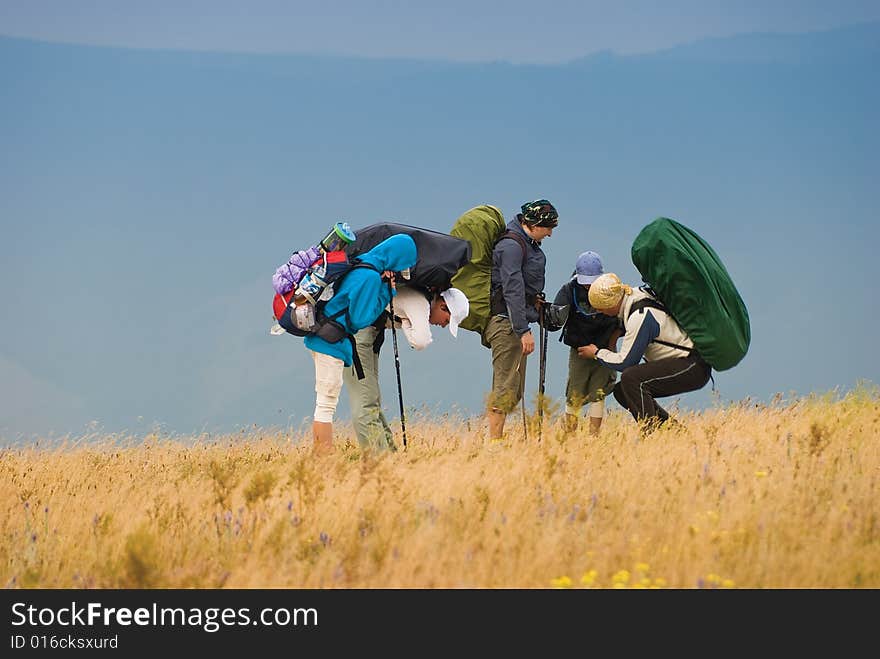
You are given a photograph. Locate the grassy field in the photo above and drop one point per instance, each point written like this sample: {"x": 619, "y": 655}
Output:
{"x": 745, "y": 496}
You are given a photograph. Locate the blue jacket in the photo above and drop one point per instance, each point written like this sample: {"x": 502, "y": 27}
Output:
{"x": 520, "y": 279}
{"x": 364, "y": 294}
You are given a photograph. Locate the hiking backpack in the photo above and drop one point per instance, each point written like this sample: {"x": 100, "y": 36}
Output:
{"x": 482, "y": 226}
{"x": 687, "y": 276}
{"x": 440, "y": 255}
{"x": 299, "y": 311}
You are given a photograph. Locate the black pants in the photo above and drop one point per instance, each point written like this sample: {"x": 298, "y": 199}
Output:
{"x": 640, "y": 385}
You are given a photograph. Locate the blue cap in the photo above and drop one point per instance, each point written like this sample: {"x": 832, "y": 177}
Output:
{"x": 588, "y": 268}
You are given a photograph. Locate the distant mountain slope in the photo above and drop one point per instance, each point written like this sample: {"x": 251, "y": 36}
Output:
{"x": 145, "y": 195}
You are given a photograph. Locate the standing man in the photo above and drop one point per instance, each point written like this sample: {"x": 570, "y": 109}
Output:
{"x": 414, "y": 312}
{"x": 516, "y": 293}
{"x": 672, "y": 364}
{"x": 588, "y": 380}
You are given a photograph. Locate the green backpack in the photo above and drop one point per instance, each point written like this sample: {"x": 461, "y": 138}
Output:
{"x": 481, "y": 227}
{"x": 693, "y": 284}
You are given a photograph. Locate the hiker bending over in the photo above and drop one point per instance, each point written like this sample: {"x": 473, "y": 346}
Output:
{"x": 517, "y": 282}
{"x": 672, "y": 364}
{"x": 588, "y": 380}
{"x": 363, "y": 293}
{"x": 415, "y": 310}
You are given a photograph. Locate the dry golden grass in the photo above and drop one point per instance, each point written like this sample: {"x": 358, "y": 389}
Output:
{"x": 749, "y": 496}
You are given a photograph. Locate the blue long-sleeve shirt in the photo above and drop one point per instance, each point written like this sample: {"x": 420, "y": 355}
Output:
{"x": 363, "y": 293}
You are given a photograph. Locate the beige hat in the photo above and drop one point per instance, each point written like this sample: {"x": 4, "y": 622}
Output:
{"x": 607, "y": 291}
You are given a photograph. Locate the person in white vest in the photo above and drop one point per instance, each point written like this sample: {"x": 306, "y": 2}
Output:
{"x": 672, "y": 363}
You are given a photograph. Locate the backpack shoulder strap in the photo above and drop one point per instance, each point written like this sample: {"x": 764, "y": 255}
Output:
{"x": 355, "y": 263}
{"x": 495, "y": 294}
{"x": 646, "y": 303}
{"x": 650, "y": 303}
{"x": 513, "y": 235}
{"x": 356, "y": 360}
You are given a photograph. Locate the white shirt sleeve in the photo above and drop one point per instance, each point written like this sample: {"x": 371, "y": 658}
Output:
{"x": 413, "y": 310}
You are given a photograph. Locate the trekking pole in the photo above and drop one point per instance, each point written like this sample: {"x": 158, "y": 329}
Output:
{"x": 544, "y": 370}
{"x": 542, "y": 334}
{"x": 397, "y": 366}
{"x": 522, "y": 398}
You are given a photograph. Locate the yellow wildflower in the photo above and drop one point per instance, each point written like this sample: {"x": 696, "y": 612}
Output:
{"x": 589, "y": 578}
{"x": 561, "y": 582}
{"x": 728, "y": 583}
{"x": 760, "y": 474}
{"x": 621, "y": 577}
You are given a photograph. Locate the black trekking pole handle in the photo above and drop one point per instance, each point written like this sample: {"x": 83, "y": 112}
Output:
{"x": 397, "y": 364}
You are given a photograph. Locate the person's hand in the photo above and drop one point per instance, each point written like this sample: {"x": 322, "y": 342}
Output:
{"x": 389, "y": 275}
{"x": 528, "y": 343}
{"x": 588, "y": 351}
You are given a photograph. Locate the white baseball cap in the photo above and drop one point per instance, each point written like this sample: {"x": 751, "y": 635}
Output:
{"x": 459, "y": 308}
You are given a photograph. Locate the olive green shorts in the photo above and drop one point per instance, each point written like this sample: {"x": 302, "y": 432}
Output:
{"x": 508, "y": 364}
{"x": 588, "y": 382}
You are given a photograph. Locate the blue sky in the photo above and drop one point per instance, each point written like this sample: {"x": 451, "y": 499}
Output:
{"x": 146, "y": 196}
{"x": 460, "y": 30}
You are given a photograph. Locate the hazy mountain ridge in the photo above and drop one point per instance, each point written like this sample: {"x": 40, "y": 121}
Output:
{"x": 159, "y": 188}
{"x": 861, "y": 40}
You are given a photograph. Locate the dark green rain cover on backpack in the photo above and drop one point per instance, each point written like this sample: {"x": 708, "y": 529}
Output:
{"x": 694, "y": 285}
{"x": 481, "y": 227}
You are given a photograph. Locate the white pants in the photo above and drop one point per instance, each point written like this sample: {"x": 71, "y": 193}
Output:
{"x": 328, "y": 385}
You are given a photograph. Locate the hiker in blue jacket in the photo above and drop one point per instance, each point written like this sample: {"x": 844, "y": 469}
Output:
{"x": 672, "y": 364}
{"x": 362, "y": 295}
{"x": 516, "y": 293}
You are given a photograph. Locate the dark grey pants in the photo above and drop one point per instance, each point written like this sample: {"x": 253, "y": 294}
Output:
{"x": 640, "y": 385}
